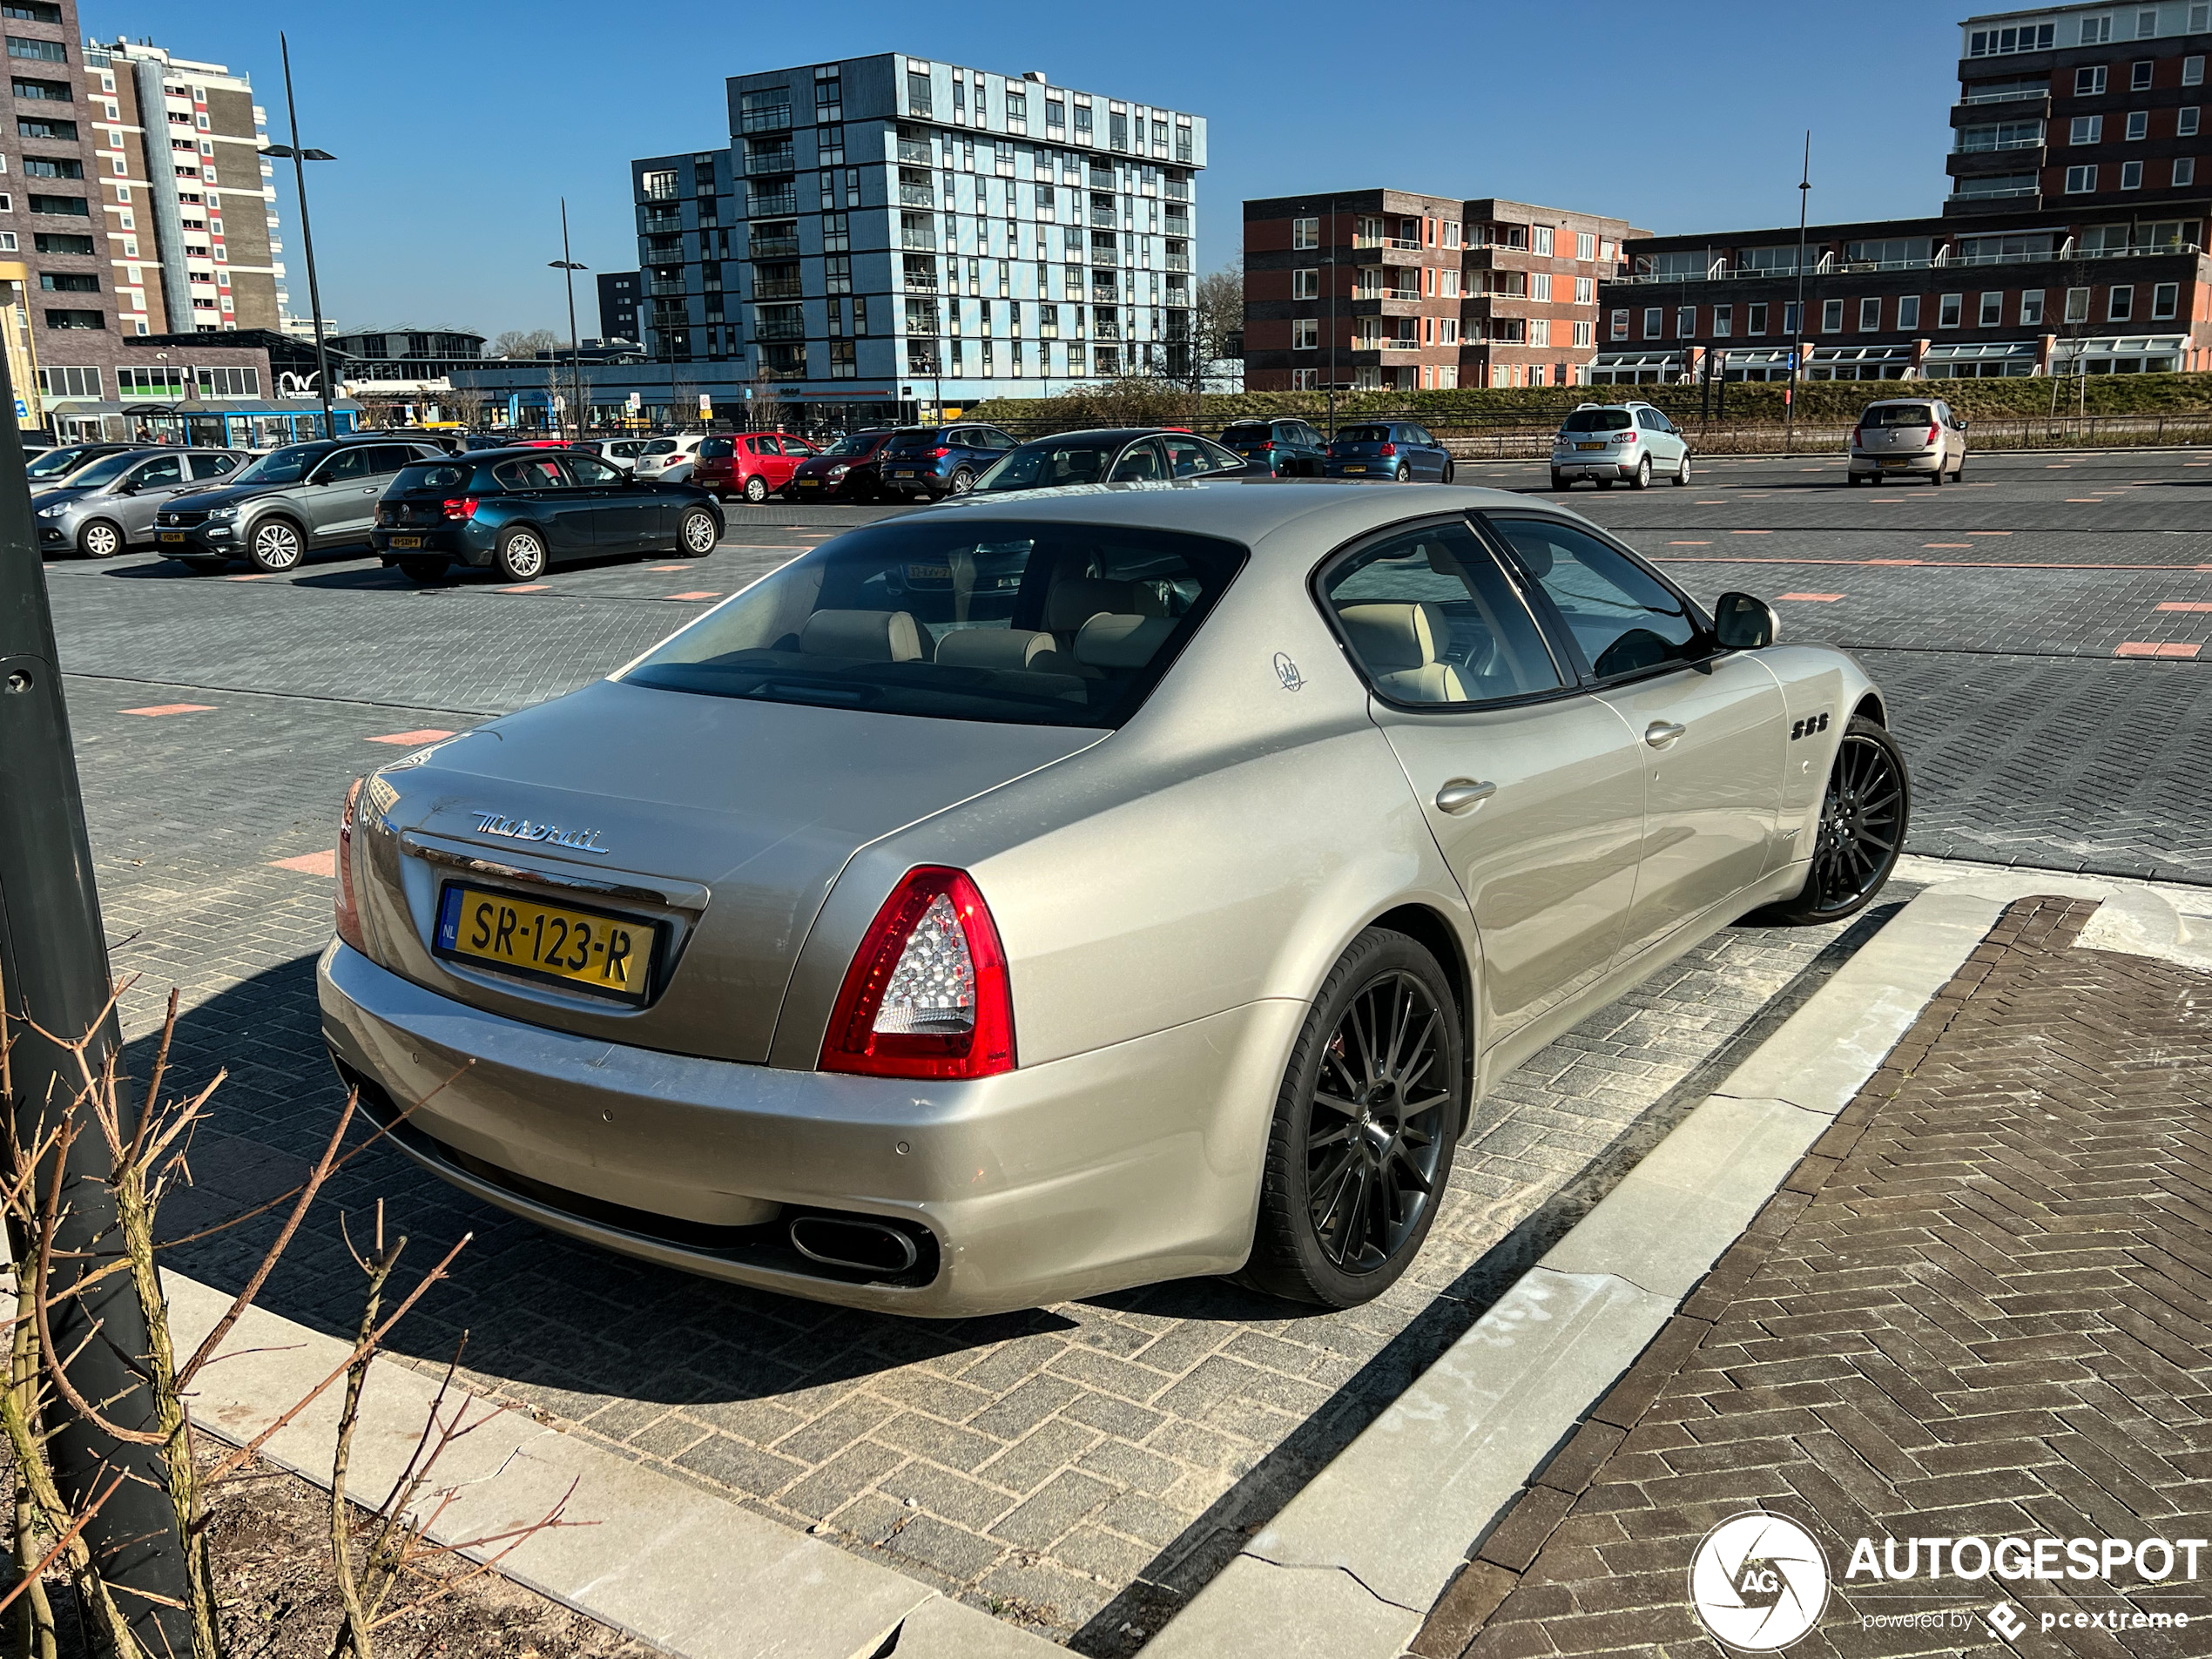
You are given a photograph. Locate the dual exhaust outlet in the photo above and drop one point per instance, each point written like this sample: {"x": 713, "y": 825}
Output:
{"x": 854, "y": 1244}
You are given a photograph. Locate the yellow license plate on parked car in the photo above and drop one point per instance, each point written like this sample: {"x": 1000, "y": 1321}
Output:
{"x": 599, "y": 951}
{"x": 1355, "y": 470}
{"x": 1589, "y": 446}
{"x": 172, "y": 536}
{"x": 407, "y": 541}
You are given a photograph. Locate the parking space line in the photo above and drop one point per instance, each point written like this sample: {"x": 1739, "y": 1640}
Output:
{"x": 428, "y": 734}
{"x": 2155, "y": 647}
{"x": 259, "y": 576}
{"x": 2182, "y": 605}
{"x": 173, "y": 708}
{"x": 663, "y": 569}
{"x": 1751, "y": 532}
{"x": 1959, "y": 544}
{"x": 322, "y": 863}
{"x": 1689, "y": 545}
{"x": 527, "y": 587}
{"x": 1816, "y": 598}
{"x": 703, "y": 594}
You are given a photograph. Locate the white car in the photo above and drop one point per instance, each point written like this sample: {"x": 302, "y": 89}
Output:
{"x": 1611, "y": 444}
{"x": 668, "y": 461}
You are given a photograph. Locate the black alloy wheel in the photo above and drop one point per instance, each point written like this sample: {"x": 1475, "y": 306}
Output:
{"x": 1365, "y": 1128}
{"x": 1863, "y": 817}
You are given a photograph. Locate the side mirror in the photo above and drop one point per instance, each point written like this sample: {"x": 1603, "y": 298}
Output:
{"x": 1742, "y": 623}
{"x": 1962, "y": 423}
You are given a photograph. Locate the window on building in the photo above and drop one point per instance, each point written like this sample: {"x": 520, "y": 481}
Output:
{"x": 1305, "y": 232}
{"x": 1792, "y": 321}
{"x": 2085, "y": 129}
{"x": 1723, "y": 321}
{"x": 1908, "y": 311}
{"x": 1831, "y": 316}
{"x": 2139, "y": 76}
{"x": 1948, "y": 307}
{"x": 1585, "y": 333}
{"x": 1305, "y": 285}
{"x": 1540, "y": 329}
{"x": 44, "y": 51}
{"x": 2095, "y": 31}
{"x": 1870, "y": 315}
{"x": 1992, "y": 43}
{"x": 1585, "y": 291}
{"x": 2184, "y": 171}
{"x": 2077, "y": 305}
{"x": 1586, "y": 245}
{"x": 2185, "y": 122}
{"x": 93, "y": 319}
{"x": 1655, "y": 322}
{"x": 230, "y": 383}
{"x": 1617, "y": 326}
{"x": 1685, "y": 322}
{"x": 2119, "y": 302}
{"x": 1992, "y": 311}
{"x": 1306, "y": 333}
{"x": 71, "y": 382}
{"x": 2031, "y": 307}
{"x": 2146, "y": 24}
{"x": 1755, "y": 319}
{"x": 2080, "y": 181}
{"x": 1540, "y": 239}
{"x": 2089, "y": 80}
{"x": 2138, "y": 126}
{"x": 2131, "y": 175}
{"x": 1539, "y": 286}
{"x": 2193, "y": 71}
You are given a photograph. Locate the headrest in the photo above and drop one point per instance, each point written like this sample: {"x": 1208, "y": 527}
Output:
{"x": 1537, "y": 555}
{"x": 1074, "y": 601}
{"x": 993, "y": 647}
{"x": 1121, "y": 641}
{"x": 1389, "y": 638}
{"x": 871, "y": 636}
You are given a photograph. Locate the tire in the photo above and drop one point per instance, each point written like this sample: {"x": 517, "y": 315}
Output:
{"x": 1448, "y": 470}
{"x": 423, "y": 570}
{"x": 960, "y": 483}
{"x": 1935, "y": 478}
{"x": 1681, "y": 471}
{"x": 100, "y": 539}
{"x": 696, "y": 533}
{"x": 1851, "y": 862}
{"x": 522, "y": 555}
{"x": 1404, "y": 473}
{"x": 277, "y": 545}
{"x": 756, "y": 490}
{"x": 1958, "y": 472}
{"x": 1642, "y": 479}
{"x": 1400, "y": 1160}
{"x": 1561, "y": 480}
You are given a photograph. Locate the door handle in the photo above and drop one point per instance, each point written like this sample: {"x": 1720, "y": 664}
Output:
{"x": 1463, "y": 794}
{"x": 1659, "y": 733}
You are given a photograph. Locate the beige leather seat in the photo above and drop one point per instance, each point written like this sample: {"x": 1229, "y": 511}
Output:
{"x": 864, "y": 636}
{"x": 1398, "y": 645}
{"x": 1121, "y": 641}
{"x": 999, "y": 648}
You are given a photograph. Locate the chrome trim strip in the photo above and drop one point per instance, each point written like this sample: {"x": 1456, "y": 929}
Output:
{"x": 676, "y": 895}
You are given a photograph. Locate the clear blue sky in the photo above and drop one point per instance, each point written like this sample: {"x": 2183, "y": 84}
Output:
{"x": 459, "y": 125}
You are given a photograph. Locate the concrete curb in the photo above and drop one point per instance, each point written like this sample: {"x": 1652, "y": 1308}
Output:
{"x": 678, "y": 1568}
{"x": 1351, "y": 1566}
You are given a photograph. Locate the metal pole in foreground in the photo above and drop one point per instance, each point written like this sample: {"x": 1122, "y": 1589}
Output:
{"x": 568, "y": 267}
{"x": 1798, "y": 334}
{"x": 54, "y": 957}
{"x": 300, "y": 160}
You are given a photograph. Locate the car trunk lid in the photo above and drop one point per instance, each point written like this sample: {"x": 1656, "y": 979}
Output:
{"x": 733, "y": 818}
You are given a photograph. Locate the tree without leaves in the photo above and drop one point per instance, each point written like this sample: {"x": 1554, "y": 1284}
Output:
{"x": 523, "y": 342}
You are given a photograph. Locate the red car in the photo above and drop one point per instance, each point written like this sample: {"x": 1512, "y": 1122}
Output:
{"x": 752, "y": 464}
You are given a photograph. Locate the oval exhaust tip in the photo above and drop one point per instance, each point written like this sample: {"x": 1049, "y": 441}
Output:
{"x": 849, "y": 1241}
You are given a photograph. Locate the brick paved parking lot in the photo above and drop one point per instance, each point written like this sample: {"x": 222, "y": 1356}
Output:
{"x": 1977, "y": 1309}
{"x": 1082, "y": 1468}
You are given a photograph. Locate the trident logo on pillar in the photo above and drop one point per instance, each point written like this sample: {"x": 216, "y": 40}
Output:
{"x": 1758, "y": 1582}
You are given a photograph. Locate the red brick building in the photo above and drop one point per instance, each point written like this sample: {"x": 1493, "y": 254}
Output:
{"x": 1388, "y": 288}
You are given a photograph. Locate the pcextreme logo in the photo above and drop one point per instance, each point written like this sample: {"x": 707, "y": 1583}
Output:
{"x": 1758, "y": 1582}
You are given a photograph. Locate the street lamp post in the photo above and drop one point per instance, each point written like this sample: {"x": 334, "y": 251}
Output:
{"x": 568, "y": 268}
{"x": 1798, "y": 334}
{"x": 299, "y": 159}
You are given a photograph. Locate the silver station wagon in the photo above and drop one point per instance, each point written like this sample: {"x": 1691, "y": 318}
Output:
{"x": 1044, "y": 895}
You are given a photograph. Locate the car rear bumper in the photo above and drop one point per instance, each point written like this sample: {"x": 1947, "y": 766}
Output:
{"x": 452, "y": 542}
{"x": 1877, "y": 461}
{"x": 1125, "y": 1165}
{"x": 1582, "y": 466}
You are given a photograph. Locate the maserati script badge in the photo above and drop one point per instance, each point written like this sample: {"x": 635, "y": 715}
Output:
{"x": 521, "y": 829}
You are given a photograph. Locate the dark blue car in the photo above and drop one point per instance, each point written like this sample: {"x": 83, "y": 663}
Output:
{"x": 940, "y": 461}
{"x": 1394, "y": 449}
{"x": 517, "y": 511}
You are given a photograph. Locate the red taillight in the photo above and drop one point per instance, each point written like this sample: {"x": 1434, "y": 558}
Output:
{"x": 939, "y": 453}
{"x": 1388, "y": 449}
{"x": 349, "y": 918}
{"x": 1858, "y": 437}
{"x": 1935, "y": 435}
{"x": 462, "y": 507}
{"x": 1269, "y": 445}
{"x": 927, "y": 994}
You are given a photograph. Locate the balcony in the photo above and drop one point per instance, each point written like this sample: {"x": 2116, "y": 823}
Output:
{"x": 773, "y": 203}
{"x": 775, "y": 119}
{"x": 668, "y": 287}
{"x": 660, "y": 187}
{"x": 767, "y": 331}
{"x": 1178, "y": 261}
{"x": 921, "y": 242}
{"x": 1981, "y": 163}
{"x": 772, "y": 247}
{"x": 662, "y": 220}
{"x": 915, "y": 152}
{"x": 2009, "y": 106}
{"x": 915, "y": 196}
{"x": 778, "y": 288}
{"x": 779, "y": 158}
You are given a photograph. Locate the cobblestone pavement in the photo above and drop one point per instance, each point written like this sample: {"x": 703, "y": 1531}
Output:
{"x": 1978, "y": 1308}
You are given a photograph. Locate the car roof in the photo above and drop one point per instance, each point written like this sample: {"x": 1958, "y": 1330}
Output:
{"x": 1102, "y": 434}
{"x": 1245, "y": 510}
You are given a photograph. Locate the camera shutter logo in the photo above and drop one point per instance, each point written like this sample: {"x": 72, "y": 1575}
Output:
{"x": 1758, "y": 1582}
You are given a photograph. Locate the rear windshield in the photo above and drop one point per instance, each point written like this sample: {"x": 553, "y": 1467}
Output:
{"x": 859, "y": 444}
{"x": 434, "y": 475}
{"x": 1364, "y": 435}
{"x": 909, "y": 444}
{"x": 661, "y": 446}
{"x": 54, "y": 461}
{"x": 1898, "y": 415}
{"x": 1007, "y": 623}
{"x": 1249, "y": 432}
{"x": 1045, "y": 464}
{"x": 1598, "y": 420}
{"x": 715, "y": 449}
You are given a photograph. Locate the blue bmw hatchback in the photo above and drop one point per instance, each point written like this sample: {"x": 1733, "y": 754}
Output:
{"x": 1394, "y": 449}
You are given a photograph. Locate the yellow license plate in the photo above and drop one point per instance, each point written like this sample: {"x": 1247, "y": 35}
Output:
{"x": 172, "y": 536}
{"x": 1355, "y": 470}
{"x": 590, "y": 950}
{"x": 407, "y": 541}
{"x": 1589, "y": 446}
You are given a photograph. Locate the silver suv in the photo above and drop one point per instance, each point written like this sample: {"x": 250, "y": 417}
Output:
{"x": 110, "y": 505}
{"x": 1914, "y": 437}
{"x": 288, "y": 503}
{"x": 1607, "y": 442}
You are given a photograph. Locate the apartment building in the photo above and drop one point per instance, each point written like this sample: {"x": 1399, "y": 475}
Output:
{"x": 1387, "y": 288}
{"x": 618, "y": 302}
{"x": 890, "y": 229}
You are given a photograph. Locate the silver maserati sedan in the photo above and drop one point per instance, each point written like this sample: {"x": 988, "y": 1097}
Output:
{"x": 1029, "y": 898}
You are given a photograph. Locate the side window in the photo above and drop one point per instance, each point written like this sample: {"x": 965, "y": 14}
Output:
{"x": 388, "y": 457}
{"x": 1648, "y": 419}
{"x": 590, "y": 470}
{"x": 1430, "y": 619}
{"x": 170, "y": 469}
{"x": 345, "y": 465}
{"x": 537, "y": 473}
{"x": 1623, "y": 618}
{"x": 1193, "y": 457}
{"x": 1140, "y": 464}
{"x": 213, "y": 466}
{"x": 995, "y": 439}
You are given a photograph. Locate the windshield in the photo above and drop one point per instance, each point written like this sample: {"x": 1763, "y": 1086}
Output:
{"x": 1599, "y": 420}
{"x": 434, "y": 475}
{"x": 661, "y": 446}
{"x": 107, "y": 469}
{"x": 280, "y": 466}
{"x": 1046, "y": 464}
{"x": 1013, "y": 624}
{"x": 1364, "y": 435}
{"x": 911, "y": 443}
{"x": 54, "y": 462}
{"x": 1898, "y": 415}
{"x": 859, "y": 444}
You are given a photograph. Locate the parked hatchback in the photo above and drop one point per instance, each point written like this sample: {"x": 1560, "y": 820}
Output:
{"x": 1115, "y": 456}
{"x": 1287, "y": 449}
{"x": 1915, "y": 437}
{"x": 1394, "y": 449}
{"x": 519, "y": 511}
{"x": 272, "y": 512}
{"x": 669, "y": 459}
{"x": 850, "y": 469}
{"x": 55, "y": 465}
{"x": 1611, "y": 444}
{"x": 753, "y": 464}
{"x": 110, "y": 505}
{"x": 936, "y": 461}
